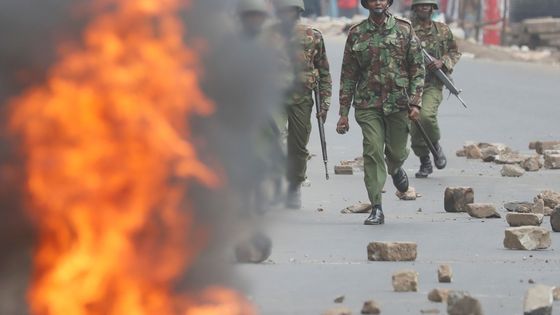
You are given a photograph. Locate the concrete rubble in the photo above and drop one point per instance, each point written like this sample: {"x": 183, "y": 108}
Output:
{"x": 410, "y": 195}
{"x": 524, "y": 219}
{"x": 527, "y": 238}
{"x": 510, "y": 170}
{"x": 555, "y": 220}
{"x": 519, "y": 206}
{"x": 343, "y": 170}
{"x": 392, "y": 251}
{"x": 445, "y": 274}
{"x": 482, "y": 211}
{"x": 405, "y": 281}
{"x": 550, "y": 198}
{"x": 462, "y": 303}
{"x": 371, "y": 307}
{"x": 430, "y": 311}
{"x": 556, "y": 294}
{"x": 338, "y": 311}
{"x": 339, "y": 299}
{"x": 532, "y": 164}
{"x": 357, "y": 208}
{"x": 438, "y": 295}
{"x": 456, "y": 199}
{"x": 541, "y": 146}
{"x": 538, "y": 301}
{"x": 552, "y": 159}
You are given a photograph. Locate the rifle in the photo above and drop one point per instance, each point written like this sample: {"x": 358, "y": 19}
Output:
{"x": 443, "y": 78}
{"x": 321, "y": 130}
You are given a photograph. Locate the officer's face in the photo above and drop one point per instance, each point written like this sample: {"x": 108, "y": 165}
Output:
{"x": 378, "y": 6}
{"x": 253, "y": 21}
{"x": 288, "y": 15}
{"x": 424, "y": 11}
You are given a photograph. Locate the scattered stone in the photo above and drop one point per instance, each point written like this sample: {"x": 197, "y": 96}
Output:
{"x": 482, "y": 211}
{"x": 461, "y": 303}
{"x": 510, "y": 158}
{"x": 461, "y": 153}
{"x": 524, "y": 219}
{"x": 533, "y": 145}
{"x": 538, "y": 301}
{"x": 430, "y": 311}
{"x": 438, "y": 295}
{"x": 392, "y": 251}
{"x": 355, "y": 163}
{"x": 320, "y": 210}
{"x": 551, "y": 198}
{"x": 542, "y": 146}
{"x": 405, "y": 281}
{"x": 552, "y": 159}
{"x": 547, "y": 211}
{"x": 531, "y": 281}
{"x": 556, "y": 294}
{"x": 519, "y": 206}
{"x": 409, "y": 195}
{"x": 527, "y": 238}
{"x": 338, "y": 311}
{"x": 457, "y": 198}
{"x": 445, "y": 274}
{"x": 371, "y": 307}
{"x": 343, "y": 170}
{"x": 538, "y": 206}
{"x": 357, "y": 208}
{"x": 512, "y": 170}
{"x": 472, "y": 151}
{"x": 489, "y": 154}
{"x": 555, "y": 220}
{"x": 339, "y": 299}
{"x": 532, "y": 164}
{"x": 254, "y": 249}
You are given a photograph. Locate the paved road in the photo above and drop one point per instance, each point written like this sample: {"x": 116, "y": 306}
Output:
{"x": 320, "y": 255}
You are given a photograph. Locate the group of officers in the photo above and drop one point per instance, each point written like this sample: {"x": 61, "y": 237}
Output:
{"x": 384, "y": 77}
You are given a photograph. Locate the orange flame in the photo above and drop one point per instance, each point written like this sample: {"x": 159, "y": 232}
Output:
{"x": 107, "y": 163}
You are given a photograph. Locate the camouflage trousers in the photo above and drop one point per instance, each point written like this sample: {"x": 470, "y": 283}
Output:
{"x": 384, "y": 147}
{"x": 298, "y": 117}
{"x": 431, "y": 99}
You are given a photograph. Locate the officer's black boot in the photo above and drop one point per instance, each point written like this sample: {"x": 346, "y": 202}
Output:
{"x": 376, "y": 217}
{"x": 440, "y": 160}
{"x": 426, "y": 167}
{"x": 293, "y": 200}
{"x": 400, "y": 180}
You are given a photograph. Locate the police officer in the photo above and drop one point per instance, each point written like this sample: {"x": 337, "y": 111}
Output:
{"x": 304, "y": 67}
{"x": 252, "y": 16}
{"x": 382, "y": 77}
{"x": 438, "y": 41}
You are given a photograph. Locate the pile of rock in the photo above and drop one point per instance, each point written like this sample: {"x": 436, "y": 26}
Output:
{"x": 349, "y": 166}
{"x": 514, "y": 163}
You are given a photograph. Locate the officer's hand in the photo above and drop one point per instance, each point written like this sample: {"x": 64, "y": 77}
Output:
{"x": 414, "y": 112}
{"x": 322, "y": 114}
{"x": 342, "y": 126}
{"x": 435, "y": 65}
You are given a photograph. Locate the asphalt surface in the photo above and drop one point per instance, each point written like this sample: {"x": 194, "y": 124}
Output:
{"x": 318, "y": 256}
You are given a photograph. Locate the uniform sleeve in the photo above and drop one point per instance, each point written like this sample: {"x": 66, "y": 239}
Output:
{"x": 321, "y": 63}
{"x": 416, "y": 70}
{"x": 348, "y": 78}
{"x": 452, "y": 56}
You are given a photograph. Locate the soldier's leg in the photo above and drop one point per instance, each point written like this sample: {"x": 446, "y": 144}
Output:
{"x": 397, "y": 127}
{"x": 299, "y": 129}
{"x": 373, "y": 133}
{"x": 431, "y": 99}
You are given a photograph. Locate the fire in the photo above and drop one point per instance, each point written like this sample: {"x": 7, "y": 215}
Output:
{"x": 108, "y": 162}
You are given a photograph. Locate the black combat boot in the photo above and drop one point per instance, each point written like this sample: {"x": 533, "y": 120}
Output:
{"x": 440, "y": 160}
{"x": 426, "y": 167}
{"x": 400, "y": 180}
{"x": 376, "y": 217}
{"x": 293, "y": 200}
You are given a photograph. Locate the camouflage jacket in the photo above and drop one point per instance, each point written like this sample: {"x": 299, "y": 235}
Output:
{"x": 304, "y": 63}
{"x": 382, "y": 68}
{"x": 440, "y": 44}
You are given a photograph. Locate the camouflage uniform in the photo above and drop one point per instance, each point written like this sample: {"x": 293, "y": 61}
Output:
{"x": 439, "y": 43}
{"x": 303, "y": 57}
{"x": 382, "y": 73}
